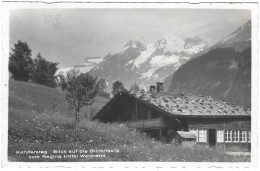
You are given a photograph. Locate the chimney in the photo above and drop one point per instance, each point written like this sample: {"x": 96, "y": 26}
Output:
{"x": 152, "y": 89}
{"x": 159, "y": 87}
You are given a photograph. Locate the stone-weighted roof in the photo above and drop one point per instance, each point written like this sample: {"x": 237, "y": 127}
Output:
{"x": 191, "y": 105}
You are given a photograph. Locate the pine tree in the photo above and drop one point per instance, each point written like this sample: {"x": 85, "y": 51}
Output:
{"x": 44, "y": 71}
{"x": 20, "y": 62}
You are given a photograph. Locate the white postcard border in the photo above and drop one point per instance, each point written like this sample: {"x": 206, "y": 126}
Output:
{"x": 255, "y": 85}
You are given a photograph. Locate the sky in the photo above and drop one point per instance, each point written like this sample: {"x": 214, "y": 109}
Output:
{"x": 68, "y": 36}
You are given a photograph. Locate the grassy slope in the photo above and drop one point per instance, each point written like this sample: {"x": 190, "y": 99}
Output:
{"x": 39, "y": 120}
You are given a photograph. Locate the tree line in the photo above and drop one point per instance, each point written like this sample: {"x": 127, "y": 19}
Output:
{"x": 79, "y": 88}
{"x": 23, "y": 68}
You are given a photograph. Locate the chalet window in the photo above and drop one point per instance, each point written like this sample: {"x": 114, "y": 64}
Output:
{"x": 195, "y": 132}
{"x": 220, "y": 135}
{"x": 243, "y": 136}
{"x": 228, "y": 135}
{"x": 249, "y": 136}
{"x": 235, "y": 136}
{"x": 202, "y": 135}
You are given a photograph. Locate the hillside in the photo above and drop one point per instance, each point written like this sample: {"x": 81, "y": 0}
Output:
{"x": 222, "y": 73}
{"x": 39, "y": 120}
{"x": 25, "y": 96}
{"x": 238, "y": 40}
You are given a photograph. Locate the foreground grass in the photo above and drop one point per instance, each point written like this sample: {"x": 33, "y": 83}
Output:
{"x": 34, "y": 128}
{"x": 50, "y": 132}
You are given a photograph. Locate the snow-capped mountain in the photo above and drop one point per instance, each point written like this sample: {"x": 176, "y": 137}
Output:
{"x": 145, "y": 65}
{"x": 164, "y": 57}
{"x": 86, "y": 66}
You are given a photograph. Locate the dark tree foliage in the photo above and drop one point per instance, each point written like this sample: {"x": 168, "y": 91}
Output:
{"x": 80, "y": 90}
{"x": 20, "y": 62}
{"x": 44, "y": 71}
{"x": 102, "y": 85}
{"x": 117, "y": 87}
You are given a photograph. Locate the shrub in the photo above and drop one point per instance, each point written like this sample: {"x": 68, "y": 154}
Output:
{"x": 117, "y": 87}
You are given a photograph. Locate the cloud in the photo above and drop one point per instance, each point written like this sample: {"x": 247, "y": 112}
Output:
{"x": 68, "y": 36}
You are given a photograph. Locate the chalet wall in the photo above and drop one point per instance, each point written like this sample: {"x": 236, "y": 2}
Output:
{"x": 143, "y": 112}
{"x": 207, "y": 123}
{"x": 223, "y": 124}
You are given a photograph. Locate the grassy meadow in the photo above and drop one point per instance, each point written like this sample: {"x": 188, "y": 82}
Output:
{"x": 40, "y": 120}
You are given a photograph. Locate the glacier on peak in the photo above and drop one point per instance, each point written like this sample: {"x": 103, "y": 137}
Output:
{"x": 162, "y": 51}
{"x": 145, "y": 55}
{"x": 148, "y": 63}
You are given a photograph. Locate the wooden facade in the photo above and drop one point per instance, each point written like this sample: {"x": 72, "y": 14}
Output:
{"x": 224, "y": 125}
{"x": 215, "y": 131}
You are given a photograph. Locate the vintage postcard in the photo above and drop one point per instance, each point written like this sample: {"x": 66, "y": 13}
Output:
{"x": 133, "y": 85}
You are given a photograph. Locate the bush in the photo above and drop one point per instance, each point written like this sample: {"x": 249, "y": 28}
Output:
{"x": 117, "y": 87}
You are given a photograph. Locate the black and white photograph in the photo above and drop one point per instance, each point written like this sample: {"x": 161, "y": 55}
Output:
{"x": 125, "y": 84}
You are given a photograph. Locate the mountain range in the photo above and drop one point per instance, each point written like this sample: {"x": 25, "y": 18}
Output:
{"x": 238, "y": 40}
{"x": 144, "y": 65}
{"x": 222, "y": 71}
{"x": 173, "y": 60}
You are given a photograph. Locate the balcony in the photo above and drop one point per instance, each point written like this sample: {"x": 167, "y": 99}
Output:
{"x": 141, "y": 124}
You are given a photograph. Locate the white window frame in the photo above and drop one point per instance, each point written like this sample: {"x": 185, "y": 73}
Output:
{"x": 243, "y": 136}
{"x": 235, "y": 136}
{"x": 195, "y": 132}
{"x": 229, "y": 138}
{"x": 202, "y": 135}
{"x": 220, "y": 136}
{"x": 248, "y": 136}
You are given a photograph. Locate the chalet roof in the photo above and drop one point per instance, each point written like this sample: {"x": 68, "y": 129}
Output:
{"x": 191, "y": 105}
{"x": 186, "y": 134}
{"x": 185, "y": 105}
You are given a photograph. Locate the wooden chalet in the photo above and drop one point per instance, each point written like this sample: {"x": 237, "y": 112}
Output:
{"x": 161, "y": 115}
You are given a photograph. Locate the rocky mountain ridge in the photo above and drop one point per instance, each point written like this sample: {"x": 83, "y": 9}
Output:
{"x": 222, "y": 71}
{"x": 145, "y": 65}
